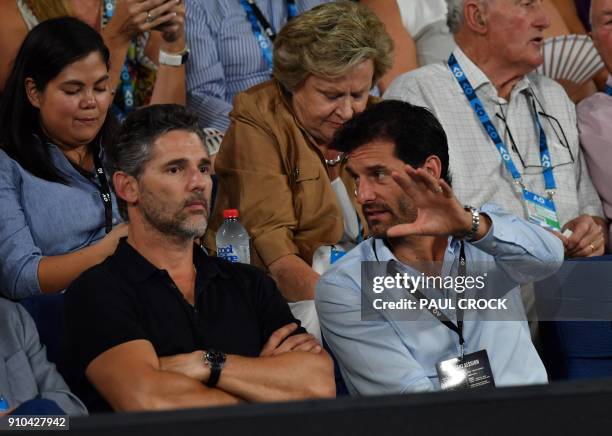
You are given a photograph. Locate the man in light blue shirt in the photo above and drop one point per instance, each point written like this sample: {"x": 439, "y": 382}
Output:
{"x": 226, "y": 57}
{"x": 398, "y": 156}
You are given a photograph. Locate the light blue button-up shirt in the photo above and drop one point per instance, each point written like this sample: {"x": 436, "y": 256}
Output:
{"x": 41, "y": 218}
{"x": 388, "y": 355}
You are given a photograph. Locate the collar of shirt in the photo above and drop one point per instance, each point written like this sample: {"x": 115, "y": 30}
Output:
{"x": 478, "y": 79}
{"x": 62, "y": 163}
{"x": 136, "y": 268}
{"x": 381, "y": 252}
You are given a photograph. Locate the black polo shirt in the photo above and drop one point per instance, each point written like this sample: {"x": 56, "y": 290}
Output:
{"x": 237, "y": 307}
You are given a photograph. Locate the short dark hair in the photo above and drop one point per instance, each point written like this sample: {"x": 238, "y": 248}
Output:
{"x": 414, "y": 130}
{"x": 47, "y": 49}
{"x": 131, "y": 149}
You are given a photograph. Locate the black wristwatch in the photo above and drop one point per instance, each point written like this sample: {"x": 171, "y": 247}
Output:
{"x": 215, "y": 361}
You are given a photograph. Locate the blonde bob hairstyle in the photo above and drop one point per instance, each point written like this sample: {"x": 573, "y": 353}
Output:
{"x": 328, "y": 41}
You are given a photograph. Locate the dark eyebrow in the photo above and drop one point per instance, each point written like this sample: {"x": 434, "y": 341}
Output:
{"x": 375, "y": 168}
{"x": 79, "y": 83}
{"x": 370, "y": 169}
{"x": 183, "y": 161}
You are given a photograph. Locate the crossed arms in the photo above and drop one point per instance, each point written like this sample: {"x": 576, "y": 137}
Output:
{"x": 131, "y": 376}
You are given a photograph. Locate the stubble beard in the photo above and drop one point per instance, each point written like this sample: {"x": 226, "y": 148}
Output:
{"x": 177, "y": 224}
{"x": 403, "y": 214}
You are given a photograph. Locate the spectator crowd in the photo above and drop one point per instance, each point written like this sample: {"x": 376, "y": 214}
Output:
{"x": 412, "y": 135}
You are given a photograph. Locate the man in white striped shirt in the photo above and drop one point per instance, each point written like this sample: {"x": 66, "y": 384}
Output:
{"x": 538, "y": 159}
{"x": 227, "y": 56}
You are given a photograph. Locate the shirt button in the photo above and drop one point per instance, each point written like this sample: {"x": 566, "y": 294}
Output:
{"x": 115, "y": 220}
{"x": 494, "y": 245}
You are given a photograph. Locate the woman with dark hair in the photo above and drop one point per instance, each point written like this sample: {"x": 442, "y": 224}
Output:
{"x": 57, "y": 210}
{"x": 146, "y": 40}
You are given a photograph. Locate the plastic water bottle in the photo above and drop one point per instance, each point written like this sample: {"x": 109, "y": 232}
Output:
{"x": 233, "y": 239}
{"x": 4, "y": 405}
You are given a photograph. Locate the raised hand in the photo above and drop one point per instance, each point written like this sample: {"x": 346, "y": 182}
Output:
{"x": 173, "y": 31}
{"x": 439, "y": 211}
{"x": 132, "y": 17}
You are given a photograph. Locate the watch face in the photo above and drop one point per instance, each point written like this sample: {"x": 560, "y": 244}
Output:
{"x": 215, "y": 358}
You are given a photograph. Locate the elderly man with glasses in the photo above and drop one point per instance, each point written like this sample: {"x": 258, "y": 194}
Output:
{"x": 512, "y": 133}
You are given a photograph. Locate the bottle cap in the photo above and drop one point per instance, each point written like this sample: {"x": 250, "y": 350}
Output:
{"x": 231, "y": 213}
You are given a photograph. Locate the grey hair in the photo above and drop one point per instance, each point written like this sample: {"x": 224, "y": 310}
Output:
{"x": 454, "y": 17}
{"x": 132, "y": 147}
{"x": 455, "y": 14}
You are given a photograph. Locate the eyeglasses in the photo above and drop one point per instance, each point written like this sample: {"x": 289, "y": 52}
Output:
{"x": 555, "y": 126}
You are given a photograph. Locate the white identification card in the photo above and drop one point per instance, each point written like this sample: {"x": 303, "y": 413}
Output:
{"x": 471, "y": 372}
{"x": 541, "y": 210}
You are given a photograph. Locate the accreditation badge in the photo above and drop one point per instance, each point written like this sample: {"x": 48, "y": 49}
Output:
{"x": 473, "y": 371}
{"x": 541, "y": 210}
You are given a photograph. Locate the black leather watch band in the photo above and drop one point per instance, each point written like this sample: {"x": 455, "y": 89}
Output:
{"x": 215, "y": 361}
{"x": 213, "y": 379}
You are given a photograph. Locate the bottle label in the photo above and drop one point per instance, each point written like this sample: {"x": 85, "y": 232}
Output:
{"x": 228, "y": 253}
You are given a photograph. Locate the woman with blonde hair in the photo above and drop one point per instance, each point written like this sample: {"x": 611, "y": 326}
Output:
{"x": 275, "y": 165}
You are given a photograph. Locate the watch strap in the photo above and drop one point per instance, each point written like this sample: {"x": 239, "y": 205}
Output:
{"x": 213, "y": 379}
{"x": 215, "y": 361}
{"x": 475, "y": 223}
{"x": 173, "y": 59}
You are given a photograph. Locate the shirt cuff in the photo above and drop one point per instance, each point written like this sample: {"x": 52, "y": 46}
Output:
{"x": 274, "y": 245}
{"x": 26, "y": 283}
{"x": 497, "y": 232}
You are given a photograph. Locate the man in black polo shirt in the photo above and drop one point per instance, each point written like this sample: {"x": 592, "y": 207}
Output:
{"x": 159, "y": 324}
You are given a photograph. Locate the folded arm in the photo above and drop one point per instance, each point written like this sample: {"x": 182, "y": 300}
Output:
{"x": 130, "y": 378}
{"x": 288, "y": 368}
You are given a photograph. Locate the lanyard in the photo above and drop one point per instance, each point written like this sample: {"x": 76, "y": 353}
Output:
{"x": 608, "y": 90}
{"x": 257, "y": 19}
{"x": 127, "y": 85}
{"x": 485, "y": 120}
{"x": 392, "y": 270}
{"x": 105, "y": 193}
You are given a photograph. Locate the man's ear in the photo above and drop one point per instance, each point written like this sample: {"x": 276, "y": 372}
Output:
{"x": 433, "y": 165}
{"x": 32, "y": 92}
{"x": 475, "y": 16}
{"x": 126, "y": 187}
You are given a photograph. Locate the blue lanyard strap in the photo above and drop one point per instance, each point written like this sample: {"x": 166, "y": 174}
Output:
{"x": 127, "y": 86}
{"x": 549, "y": 178}
{"x": 259, "y": 22}
{"x": 608, "y": 90}
{"x": 486, "y": 122}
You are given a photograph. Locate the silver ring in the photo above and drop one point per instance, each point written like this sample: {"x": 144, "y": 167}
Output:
{"x": 149, "y": 17}
{"x": 592, "y": 248}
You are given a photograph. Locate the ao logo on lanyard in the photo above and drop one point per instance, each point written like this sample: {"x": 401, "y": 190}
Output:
{"x": 259, "y": 22}
{"x": 539, "y": 209}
